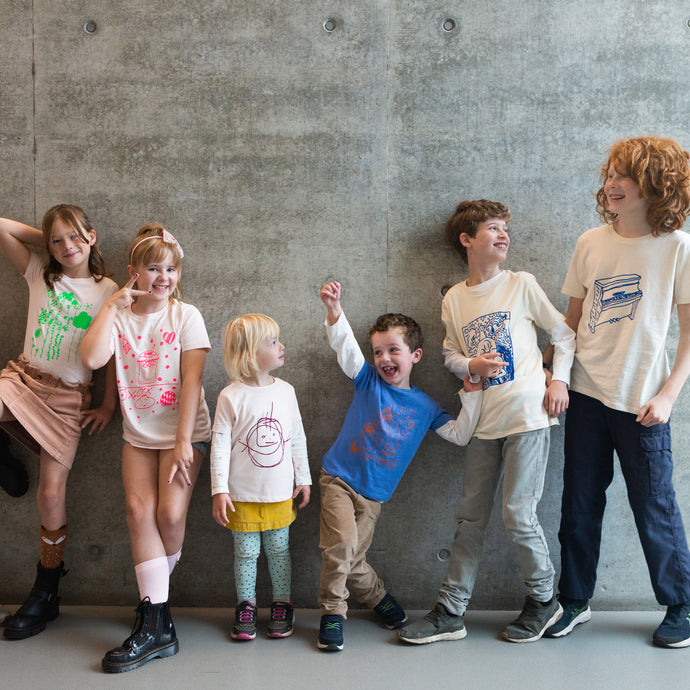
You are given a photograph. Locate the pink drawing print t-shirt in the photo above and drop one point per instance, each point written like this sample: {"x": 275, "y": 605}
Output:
{"x": 147, "y": 351}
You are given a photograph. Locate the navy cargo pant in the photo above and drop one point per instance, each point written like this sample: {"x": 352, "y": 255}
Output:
{"x": 592, "y": 433}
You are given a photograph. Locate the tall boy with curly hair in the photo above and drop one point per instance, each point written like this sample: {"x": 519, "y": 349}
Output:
{"x": 623, "y": 281}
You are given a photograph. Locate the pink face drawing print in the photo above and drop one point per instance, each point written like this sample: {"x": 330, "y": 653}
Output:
{"x": 265, "y": 442}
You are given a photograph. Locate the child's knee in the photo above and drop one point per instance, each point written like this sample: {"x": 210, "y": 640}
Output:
{"x": 341, "y": 551}
{"x": 139, "y": 512}
{"x": 247, "y": 545}
{"x": 276, "y": 543}
{"x": 521, "y": 519}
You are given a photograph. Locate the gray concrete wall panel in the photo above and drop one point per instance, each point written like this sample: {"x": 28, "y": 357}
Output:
{"x": 283, "y": 155}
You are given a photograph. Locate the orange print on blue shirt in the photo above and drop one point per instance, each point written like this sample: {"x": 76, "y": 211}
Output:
{"x": 380, "y": 439}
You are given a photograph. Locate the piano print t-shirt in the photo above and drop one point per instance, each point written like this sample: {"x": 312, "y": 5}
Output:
{"x": 629, "y": 287}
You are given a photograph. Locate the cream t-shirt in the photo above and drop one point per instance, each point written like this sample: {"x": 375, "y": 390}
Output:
{"x": 629, "y": 287}
{"x": 148, "y": 350}
{"x": 500, "y": 315}
{"x": 58, "y": 318}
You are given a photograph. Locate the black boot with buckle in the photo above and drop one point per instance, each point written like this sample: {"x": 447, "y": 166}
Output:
{"x": 41, "y": 606}
{"x": 153, "y": 635}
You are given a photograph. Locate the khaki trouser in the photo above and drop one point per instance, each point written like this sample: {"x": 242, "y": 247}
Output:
{"x": 347, "y": 528}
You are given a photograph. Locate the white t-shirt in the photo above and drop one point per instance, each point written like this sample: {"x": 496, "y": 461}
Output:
{"x": 259, "y": 451}
{"x": 58, "y": 319}
{"x": 147, "y": 352}
{"x": 629, "y": 287}
{"x": 500, "y": 315}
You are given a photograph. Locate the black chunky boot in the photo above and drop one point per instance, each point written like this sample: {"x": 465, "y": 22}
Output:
{"x": 13, "y": 475}
{"x": 40, "y": 607}
{"x": 153, "y": 635}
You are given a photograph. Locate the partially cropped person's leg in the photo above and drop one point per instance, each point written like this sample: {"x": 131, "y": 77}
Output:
{"x": 42, "y": 604}
{"x": 277, "y": 549}
{"x": 525, "y": 457}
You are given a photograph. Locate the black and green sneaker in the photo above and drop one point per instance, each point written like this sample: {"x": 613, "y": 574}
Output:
{"x": 390, "y": 612}
{"x": 575, "y": 611}
{"x": 331, "y": 633}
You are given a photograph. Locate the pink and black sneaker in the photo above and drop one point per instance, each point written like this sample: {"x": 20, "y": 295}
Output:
{"x": 282, "y": 619}
{"x": 245, "y": 622}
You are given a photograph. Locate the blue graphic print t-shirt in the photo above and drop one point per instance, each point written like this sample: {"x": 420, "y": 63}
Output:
{"x": 381, "y": 433}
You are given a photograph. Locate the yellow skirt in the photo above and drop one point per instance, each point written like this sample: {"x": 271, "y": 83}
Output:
{"x": 260, "y": 517}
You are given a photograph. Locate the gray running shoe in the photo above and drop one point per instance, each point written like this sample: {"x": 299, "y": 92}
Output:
{"x": 533, "y": 620}
{"x": 437, "y": 625}
{"x": 575, "y": 612}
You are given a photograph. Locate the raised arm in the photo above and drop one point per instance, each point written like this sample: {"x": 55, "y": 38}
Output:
{"x": 95, "y": 346}
{"x": 340, "y": 335}
{"x": 15, "y": 239}
{"x": 330, "y": 296}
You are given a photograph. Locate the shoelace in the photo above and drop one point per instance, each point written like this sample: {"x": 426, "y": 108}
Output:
{"x": 246, "y": 615}
{"x": 334, "y": 625}
{"x": 279, "y": 612}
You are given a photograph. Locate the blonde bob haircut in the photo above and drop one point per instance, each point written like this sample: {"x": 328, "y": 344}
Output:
{"x": 241, "y": 341}
{"x": 155, "y": 251}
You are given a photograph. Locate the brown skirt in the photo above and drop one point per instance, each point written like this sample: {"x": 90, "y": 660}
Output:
{"x": 48, "y": 408}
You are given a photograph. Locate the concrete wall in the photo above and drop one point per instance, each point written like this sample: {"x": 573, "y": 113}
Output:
{"x": 281, "y": 156}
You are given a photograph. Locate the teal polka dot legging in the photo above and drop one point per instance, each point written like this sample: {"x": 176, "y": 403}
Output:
{"x": 276, "y": 548}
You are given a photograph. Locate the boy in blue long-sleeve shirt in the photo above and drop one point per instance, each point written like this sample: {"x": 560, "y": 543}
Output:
{"x": 383, "y": 428}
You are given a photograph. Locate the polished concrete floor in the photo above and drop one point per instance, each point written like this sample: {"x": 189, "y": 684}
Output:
{"x": 612, "y": 651}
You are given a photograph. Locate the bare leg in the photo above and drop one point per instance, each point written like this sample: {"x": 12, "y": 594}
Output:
{"x": 156, "y": 510}
{"x": 173, "y": 501}
{"x": 140, "y": 479}
{"x": 52, "y": 491}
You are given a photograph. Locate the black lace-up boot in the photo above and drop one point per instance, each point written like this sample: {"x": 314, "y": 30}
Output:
{"x": 153, "y": 635}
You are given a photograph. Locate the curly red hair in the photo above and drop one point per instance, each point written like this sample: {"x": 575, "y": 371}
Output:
{"x": 660, "y": 169}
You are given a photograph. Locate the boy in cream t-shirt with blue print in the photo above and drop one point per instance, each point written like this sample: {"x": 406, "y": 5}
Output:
{"x": 490, "y": 321}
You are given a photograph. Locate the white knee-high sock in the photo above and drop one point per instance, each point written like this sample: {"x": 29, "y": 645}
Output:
{"x": 172, "y": 560}
{"x": 153, "y": 579}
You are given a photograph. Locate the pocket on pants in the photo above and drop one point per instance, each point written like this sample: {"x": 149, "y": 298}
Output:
{"x": 656, "y": 460}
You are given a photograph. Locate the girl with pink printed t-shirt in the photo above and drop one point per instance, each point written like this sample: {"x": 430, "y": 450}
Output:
{"x": 159, "y": 345}
{"x": 45, "y": 394}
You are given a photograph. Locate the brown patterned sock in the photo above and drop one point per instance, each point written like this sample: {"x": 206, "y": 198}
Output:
{"x": 52, "y": 546}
